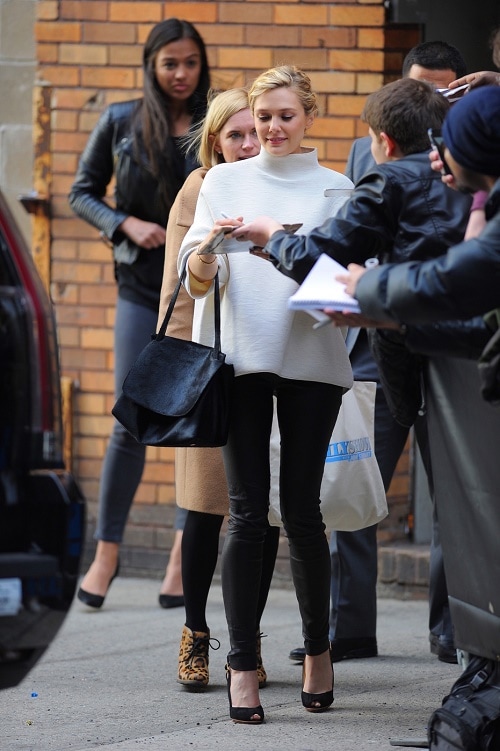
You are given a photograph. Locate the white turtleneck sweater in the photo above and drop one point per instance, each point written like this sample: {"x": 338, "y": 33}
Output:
{"x": 259, "y": 332}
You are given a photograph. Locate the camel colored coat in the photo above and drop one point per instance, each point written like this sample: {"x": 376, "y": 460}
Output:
{"x": 200, "y": 481}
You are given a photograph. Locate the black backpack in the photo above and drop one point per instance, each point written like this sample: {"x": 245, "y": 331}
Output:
{"x": 469, "y": 718}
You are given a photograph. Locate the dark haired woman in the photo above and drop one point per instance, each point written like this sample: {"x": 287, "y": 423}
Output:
{"x": 139, "y": 143}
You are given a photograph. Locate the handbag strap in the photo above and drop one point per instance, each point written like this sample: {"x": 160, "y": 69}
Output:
{"x": 163, "y": 328}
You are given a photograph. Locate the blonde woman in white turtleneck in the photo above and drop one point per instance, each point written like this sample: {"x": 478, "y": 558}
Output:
{"x": 274, "y": 352}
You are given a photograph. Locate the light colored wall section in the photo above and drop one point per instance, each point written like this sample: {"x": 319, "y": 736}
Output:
{"x": 17, "y": 75}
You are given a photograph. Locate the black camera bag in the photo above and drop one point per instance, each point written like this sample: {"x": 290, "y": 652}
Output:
{"x": 469, "y": 718}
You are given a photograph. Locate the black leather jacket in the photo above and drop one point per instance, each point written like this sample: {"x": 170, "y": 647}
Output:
{"x": 399, "y": 211}
{"x": 462, "y": 283}
{"x": 109, "y": 146}
{"x": 110, "y": 151}
{"x": 446, "y": 291}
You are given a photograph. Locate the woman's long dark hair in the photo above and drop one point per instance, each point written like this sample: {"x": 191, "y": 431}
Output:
{"x": 152, "y": 125}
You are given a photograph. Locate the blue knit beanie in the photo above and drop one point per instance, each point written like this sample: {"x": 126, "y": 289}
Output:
{"x": 471, "y": 131}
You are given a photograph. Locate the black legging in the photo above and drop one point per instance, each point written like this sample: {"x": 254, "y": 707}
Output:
{"x": 200, "y": 549}
{"x": 306, "y": 413}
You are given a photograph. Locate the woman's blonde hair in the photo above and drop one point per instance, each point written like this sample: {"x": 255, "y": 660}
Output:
{"x": 285, "y": 76}
{"x": 221, "y": 107}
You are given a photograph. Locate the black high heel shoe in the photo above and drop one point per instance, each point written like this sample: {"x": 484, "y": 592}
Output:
{"x": 324, "y": 700}
{"x": 170, "y": 601}
{"x": 96, "y": 601}
{"x": 242, "y": 715}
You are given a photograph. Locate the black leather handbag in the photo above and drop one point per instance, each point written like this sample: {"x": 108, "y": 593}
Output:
{"x": 178, "y": 392}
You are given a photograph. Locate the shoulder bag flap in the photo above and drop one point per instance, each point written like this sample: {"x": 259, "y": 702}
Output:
{"x": 170, "y": 374}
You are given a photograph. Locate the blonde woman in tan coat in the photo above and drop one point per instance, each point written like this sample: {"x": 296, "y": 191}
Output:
{"x": 227, "y": 135}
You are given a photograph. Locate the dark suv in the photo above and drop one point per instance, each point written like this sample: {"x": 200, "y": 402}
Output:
{"x": 42, "y": 511}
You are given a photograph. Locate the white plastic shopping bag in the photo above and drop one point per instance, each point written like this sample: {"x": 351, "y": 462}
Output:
{"x": 352, "y": 491}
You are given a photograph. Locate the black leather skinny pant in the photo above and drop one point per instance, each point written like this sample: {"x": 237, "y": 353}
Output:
{"x": 200, "y": 550}
{"x": 306, "y": 413}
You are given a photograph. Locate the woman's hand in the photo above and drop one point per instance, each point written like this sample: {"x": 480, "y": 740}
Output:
{"x": 144, "y": 234}
{"x": 221, "y": 228}
{"x": 257, "y": 232}
{"x": 229, "y": 223}
{"x": 202, "y": 263}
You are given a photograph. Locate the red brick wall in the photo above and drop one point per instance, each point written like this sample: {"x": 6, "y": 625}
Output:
{"x": 89, "y": 54}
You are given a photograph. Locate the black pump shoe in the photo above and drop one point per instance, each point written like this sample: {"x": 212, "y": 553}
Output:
{"x": 324, "y": 700}
{"x": 96, "y": 601}
{"x": 171, "y": 601}
{"x": 242, "y": 715}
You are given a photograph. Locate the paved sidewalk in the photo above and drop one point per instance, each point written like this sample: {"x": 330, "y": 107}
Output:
{"x": 108, "y": 682}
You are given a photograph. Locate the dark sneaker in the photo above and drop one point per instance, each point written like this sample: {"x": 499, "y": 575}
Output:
{"x": 443, "y": 648}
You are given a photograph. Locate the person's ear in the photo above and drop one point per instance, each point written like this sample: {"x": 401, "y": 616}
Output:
{"x": 215, "y": 143}
{"x": 389, "y": 144}
{"x": 309, "y": 121}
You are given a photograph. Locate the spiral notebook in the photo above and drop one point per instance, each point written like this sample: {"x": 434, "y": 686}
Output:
{"x": 321, "y": 290}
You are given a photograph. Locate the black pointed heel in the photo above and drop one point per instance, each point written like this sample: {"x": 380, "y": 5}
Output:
{"x": 96, "y": 601}
{"x": 324, "y": 700}
{"x": 242, "y": 715}
{"x": 170, "y": 601}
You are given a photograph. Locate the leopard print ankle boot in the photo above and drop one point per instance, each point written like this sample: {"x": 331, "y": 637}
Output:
{"x": 193, "y": 658}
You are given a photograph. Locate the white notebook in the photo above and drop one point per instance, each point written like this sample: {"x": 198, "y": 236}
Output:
{"x": 321, "y": 290}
